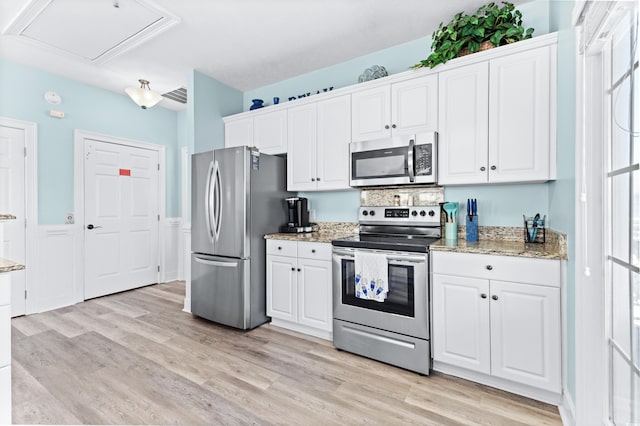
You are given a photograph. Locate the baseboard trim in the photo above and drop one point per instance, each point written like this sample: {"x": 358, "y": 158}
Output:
{"x": 567, "y": 410}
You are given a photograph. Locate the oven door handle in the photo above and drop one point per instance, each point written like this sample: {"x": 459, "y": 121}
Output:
{"x": 391, "y": 259}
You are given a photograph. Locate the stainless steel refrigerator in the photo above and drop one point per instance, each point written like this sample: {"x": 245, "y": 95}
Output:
{"x": 237, "y": 196}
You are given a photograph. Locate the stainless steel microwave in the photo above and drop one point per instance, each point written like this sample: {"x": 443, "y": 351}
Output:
{"x": 407, "y": 159}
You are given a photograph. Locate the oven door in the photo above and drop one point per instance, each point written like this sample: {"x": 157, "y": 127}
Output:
{"x": 406, "y": 308}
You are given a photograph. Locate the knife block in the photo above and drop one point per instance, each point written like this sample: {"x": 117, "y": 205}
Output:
{"x": 534, "y": 230}
{"x": 472, "y": 228}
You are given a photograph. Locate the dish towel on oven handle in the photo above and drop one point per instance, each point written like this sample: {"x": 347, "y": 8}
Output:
{"x": 372, "y": 274}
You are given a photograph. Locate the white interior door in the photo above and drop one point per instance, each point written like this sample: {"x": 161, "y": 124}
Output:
{"x": 121, "y": 186}
{"x": 12, "y": 201}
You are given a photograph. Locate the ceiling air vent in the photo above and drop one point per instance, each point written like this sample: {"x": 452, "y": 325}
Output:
{"x": 178, "y": 95}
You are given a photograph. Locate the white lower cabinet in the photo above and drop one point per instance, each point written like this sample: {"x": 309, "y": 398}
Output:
{"x": 491, "y": 316}
{"x": 299, "y": 286}
{"x": 5, "y": 349}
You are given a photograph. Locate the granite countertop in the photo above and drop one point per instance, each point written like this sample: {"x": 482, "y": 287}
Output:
{"x": 7, "y": 265}
{"x": 323, "y": 232}
{"x": 504, "y": 248}
{"x": 312, "y": 237}
{"x": 6, "y": 216}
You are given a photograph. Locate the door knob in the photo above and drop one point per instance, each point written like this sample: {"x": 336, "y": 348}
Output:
{"x": 91, "y": 226}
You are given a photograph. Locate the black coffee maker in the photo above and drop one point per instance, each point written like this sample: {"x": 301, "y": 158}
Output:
{"x": 297, "y": 216}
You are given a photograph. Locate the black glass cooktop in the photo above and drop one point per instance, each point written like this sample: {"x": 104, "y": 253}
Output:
{"x": 418, "y": 244}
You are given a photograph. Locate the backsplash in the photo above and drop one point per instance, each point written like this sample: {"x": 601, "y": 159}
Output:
{"x": 409, "y": 196}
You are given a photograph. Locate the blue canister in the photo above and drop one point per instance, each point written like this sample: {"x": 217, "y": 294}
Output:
{"x": 472, "y": 228}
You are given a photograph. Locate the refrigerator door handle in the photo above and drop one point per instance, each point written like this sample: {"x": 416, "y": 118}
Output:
{"x": 214, "y": 263}
{"x": 217, "y": 197}
{"x": 208, "y": 204}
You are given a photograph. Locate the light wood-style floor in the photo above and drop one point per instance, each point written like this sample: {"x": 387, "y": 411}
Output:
{"x": 136, "y": 358}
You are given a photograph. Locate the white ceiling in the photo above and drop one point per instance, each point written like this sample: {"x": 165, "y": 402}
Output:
{"x": 243, "y": 43}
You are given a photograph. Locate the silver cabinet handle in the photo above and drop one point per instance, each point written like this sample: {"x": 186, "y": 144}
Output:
{"x": 214, "y": 263}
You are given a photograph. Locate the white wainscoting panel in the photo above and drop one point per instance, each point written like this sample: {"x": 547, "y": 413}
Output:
{"x": 186, "y": 264}
{"x": 170, "y": 265}
{"x": 58, "y": 283}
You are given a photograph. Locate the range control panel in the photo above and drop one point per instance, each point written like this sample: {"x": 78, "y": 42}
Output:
{"x": 419, "y": 215}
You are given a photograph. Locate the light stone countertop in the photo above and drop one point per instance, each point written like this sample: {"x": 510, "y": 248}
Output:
{"x": 6, "y": 216}
{"x": 312, "y": 237}
{"x": 503, "y": 248}
{"x": 7, "y": 265}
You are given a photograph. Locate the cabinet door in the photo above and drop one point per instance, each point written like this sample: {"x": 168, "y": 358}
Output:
{"x": 371, "y": 114}
{"x": 525, "y": 334}
{"x": 314, "y": 294}
{"x": 463, "y": 125}
{"x": 238, "y": 132}
{"x": 332, "y": 148}
{"x": 519, "y": 116}
{"x": 301, "y": 158}
{"x": 282, "y": 294}
{"x": 461, "y": 322}
{"x": 414, "y": 105}
{"x": 270, "y": 132}
{"x": 5, "y": 395}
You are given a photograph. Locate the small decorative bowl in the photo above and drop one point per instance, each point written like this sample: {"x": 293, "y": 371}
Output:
{"x": 376, "y": 71}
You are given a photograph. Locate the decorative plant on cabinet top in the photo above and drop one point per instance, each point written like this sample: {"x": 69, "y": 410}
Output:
{"x": 490, "y": 26}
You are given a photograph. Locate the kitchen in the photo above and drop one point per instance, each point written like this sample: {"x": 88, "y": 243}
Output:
{"x": 499, "y": 205}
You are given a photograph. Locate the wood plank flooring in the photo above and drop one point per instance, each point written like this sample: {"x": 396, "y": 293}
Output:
{"x": 136, "y": 358}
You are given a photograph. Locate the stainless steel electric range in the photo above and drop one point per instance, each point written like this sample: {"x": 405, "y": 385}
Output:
{"x": 396, "y": 330}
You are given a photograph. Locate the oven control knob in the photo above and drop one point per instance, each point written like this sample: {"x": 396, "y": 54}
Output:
{"x": 372, "y": 213}
{"x": 365, "y": 213}
{"x": 432, "y": 213}
{"x": 414, "y": 213}
{"x": 423, "y": 213}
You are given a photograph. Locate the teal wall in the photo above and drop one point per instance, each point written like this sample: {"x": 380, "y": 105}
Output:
{"x": 86, "y": 108}
{"x": 212, "y": 100}
{"x": 562, "y": 195}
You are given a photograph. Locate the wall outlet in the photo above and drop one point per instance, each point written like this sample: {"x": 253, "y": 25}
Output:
{"x": 69, "y": 218}
{"x": 312, "y": 215}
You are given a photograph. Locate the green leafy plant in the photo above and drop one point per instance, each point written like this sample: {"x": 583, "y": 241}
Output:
{"x": 499, "y": 25}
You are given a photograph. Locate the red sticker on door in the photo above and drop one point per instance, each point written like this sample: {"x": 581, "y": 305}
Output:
{"x": 125, "y": 172}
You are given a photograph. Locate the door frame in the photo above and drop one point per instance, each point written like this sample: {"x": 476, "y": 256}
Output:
{"x": 31, "y": 199}
{"x": 79, "y": 138}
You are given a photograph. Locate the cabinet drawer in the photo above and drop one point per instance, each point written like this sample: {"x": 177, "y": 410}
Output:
{"x": 318, "y": 251}
{"x": 282, "y": 248}
{"x": 5, "y": 289}
{"x": 5, "y": 335}
{"x": 493, "y": 267}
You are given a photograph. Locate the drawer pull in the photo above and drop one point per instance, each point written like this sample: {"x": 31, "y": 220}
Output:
{"x": 298, "y": 269}
{"x": 489, "y": 267}
{"x": 483, "y": 295}
{"x": 293, "y": 269}
{"x": 494, "y": 297}
{"x": 313, "y": 250}
{"x": 279, "y": 248}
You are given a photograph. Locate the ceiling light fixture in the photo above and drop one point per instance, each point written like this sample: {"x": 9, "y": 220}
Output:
{"x": 143, "y": 95}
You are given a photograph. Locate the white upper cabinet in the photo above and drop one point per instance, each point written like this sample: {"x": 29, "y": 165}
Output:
{"x": 270, "y": 132}
{"x": 463, "y": 140}
{"x": 318, "y": 152}
{"x": 238, "y": 132}
{"x": 519, "y": 116}
{"x": 397, "y": 108}
{"x": 265, "y": 130}
{"x": 497, "y": 119}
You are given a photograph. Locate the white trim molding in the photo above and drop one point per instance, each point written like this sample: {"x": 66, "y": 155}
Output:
{"x": 171, "y": 254}
{"x": 79, "y": 137}
{"x": 31, "y": 199}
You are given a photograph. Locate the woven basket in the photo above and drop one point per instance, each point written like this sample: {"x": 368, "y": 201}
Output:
{"x": 485, "y": 45}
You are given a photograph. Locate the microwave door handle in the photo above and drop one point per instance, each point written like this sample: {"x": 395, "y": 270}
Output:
{"x": 412, "y": 174}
